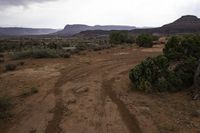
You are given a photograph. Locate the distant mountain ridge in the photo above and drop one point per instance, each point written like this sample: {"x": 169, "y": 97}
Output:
{"x": 17, "y": 31}
{"x": 77, "y": 28}
{"x": 185, "y": 24}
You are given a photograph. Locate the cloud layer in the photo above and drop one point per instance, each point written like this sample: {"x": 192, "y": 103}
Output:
{"x": 6, "y": 3}
{"x": 58, "y": 13}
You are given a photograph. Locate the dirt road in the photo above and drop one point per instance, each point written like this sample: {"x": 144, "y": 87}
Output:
{"x": 86, "y": 94}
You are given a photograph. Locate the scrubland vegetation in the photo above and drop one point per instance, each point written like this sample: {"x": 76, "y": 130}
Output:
{"x": 36, "y": 84}
{"x": 120, "y": 37}
{"x": 21, "y": 48}
{"x": 123, "y": 37}
{"x": 172, "y": 71}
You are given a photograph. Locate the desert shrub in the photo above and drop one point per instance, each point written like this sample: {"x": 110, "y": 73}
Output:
{"x": 186, "y": 71}
{"x": 147, "y": 74}
{"x": 178, "y": 48}
{"x": 66, "y": 55}
{"x": 172, "y": 71}
{"x": 36, "y": 53}
{"x": 10, "y": 67}
{"x": 145, "y": 40}
{"x": 5, "y": 104}
{"x": 120, "y": 37}
{"x": 27, "y": 91}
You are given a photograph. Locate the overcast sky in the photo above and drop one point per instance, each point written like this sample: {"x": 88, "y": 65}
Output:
{"x": 58, "y": 13}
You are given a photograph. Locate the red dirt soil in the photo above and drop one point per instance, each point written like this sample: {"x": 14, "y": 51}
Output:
{"x": 92, "y": 94}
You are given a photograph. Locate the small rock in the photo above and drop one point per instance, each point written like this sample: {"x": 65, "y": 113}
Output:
{"x": 82, "y": 90}
{"x": 71, "y": 100}
{"x": 145, "y": 109}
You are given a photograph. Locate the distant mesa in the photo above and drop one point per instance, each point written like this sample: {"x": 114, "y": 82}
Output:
{"x": 77, "y": 28}
{"x": 17, "y": 31}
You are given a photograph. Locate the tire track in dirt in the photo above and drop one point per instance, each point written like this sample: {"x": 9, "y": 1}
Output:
{"x": 59, "y": 109}
{"x": 74, "y": 73}
{"x": 129, "y": 119}
{"x": 53, "y": 125}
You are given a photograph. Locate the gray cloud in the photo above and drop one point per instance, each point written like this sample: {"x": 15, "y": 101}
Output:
{"x": 7, "y": 3}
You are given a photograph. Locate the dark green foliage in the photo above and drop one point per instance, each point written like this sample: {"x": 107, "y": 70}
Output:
{"x": 10, "y": 67}
{"x": 172, "y": 71}
{"x": 179, "y": 48}
{"x": 145, "y": 40}
{"x": 147, "y": 74}
{"x": 120, "y": 37}
{"x": 186, "y": 70}
{"x": 5, "y": 104}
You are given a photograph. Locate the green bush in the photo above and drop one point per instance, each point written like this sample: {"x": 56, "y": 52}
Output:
{"x": 172, "y": 71}
{"x": 145, "y": 40}
{"x": 178, "y": 48}
{"x": 146, "y": 74}
{"x": 120, "y": 37}
{"x": 36, "y": 53}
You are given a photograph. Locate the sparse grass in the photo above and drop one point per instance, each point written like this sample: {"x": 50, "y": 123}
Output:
{"x": 27, "y": 91}
{"x": 5, "y": 105}
{"x": 36, "y": 53}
